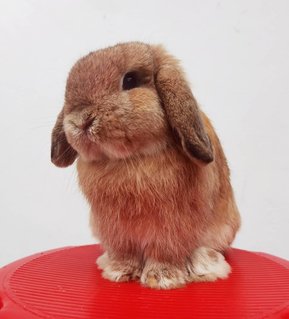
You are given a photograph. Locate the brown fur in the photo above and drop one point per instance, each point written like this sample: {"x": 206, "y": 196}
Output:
{"x": 143, "y": 157}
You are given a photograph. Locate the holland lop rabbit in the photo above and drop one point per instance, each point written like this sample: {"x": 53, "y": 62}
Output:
{"x": 151, "y": 166}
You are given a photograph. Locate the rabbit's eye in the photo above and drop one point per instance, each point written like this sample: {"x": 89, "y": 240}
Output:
{"x": 130, "y": 81}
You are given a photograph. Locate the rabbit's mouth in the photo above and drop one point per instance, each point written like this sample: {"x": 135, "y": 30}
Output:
{"x": 90, "y": 146}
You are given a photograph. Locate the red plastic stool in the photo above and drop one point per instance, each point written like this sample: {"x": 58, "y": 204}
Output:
{"x": 65, "y": 283}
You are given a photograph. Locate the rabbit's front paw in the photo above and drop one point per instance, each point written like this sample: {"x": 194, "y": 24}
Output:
{"x": 116, "y": 270}
{"x": 207, "y": 264}
{"x": 162, "y": 276}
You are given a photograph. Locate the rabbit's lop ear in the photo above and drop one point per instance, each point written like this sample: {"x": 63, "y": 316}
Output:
{"x": 62, "y": 154}
{"x": 181, "y": 107}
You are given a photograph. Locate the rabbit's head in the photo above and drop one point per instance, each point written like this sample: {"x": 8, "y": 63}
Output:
{"x": 128, "y": 100}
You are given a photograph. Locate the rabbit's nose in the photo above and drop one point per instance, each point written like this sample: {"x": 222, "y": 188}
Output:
{"x": 86, "y": 124}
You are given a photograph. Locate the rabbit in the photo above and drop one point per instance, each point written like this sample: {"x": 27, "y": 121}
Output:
{"x": 150, "y": 165}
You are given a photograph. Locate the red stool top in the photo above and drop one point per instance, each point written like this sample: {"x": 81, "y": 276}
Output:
{"x": 66, "y": 284}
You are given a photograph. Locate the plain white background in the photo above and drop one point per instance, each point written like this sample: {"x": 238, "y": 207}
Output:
{"x": 236, "y": 55}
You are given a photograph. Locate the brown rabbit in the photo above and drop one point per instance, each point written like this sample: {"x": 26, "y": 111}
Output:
{"x": 151, "y": 166}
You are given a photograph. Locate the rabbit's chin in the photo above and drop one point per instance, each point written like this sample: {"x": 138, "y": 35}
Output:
{"x": 122, "y": 150}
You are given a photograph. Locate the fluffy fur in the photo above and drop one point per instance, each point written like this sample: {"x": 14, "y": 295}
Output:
{"x": 151, "y": 166}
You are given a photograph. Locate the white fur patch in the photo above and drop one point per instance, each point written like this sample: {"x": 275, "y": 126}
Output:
{"x": 102, "y": 261}
{"x": 162, "y": 276}
{"x": 167, "y": 283}
{"x": 210, "y": 263}
{"x": 118, "y": 270}
{"x": 111, "y": 274}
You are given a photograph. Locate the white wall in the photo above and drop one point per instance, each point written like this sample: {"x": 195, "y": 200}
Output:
{"x": 236, "y": 54}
